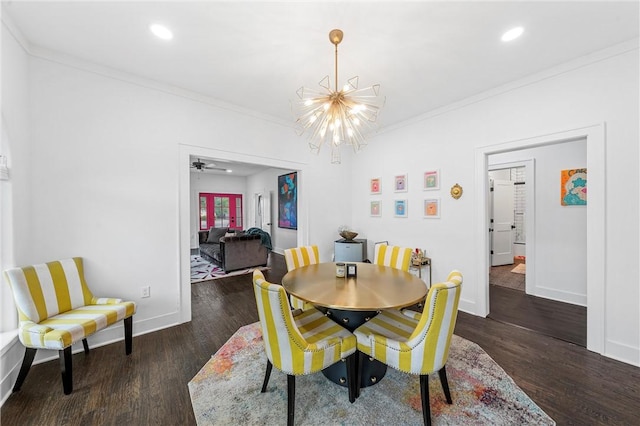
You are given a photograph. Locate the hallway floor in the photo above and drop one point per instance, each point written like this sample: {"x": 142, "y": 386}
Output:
{"x": 510, "y": 304}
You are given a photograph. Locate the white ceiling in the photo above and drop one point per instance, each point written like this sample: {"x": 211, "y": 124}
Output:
{"x": 256, "y": 54}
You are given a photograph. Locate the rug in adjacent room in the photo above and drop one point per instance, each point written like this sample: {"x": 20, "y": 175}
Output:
{"x": 521, "y": 268}
{"x": 227, "y": 391}
{"x": 203, "y": 270}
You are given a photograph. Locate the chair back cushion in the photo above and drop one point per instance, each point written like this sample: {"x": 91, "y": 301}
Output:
{"x": 394, "y": 256}
{"x": 432, "y": 335}
{"x": 301, "y": 256}
{"x": 309, "y": 343}
{"x": 48, "y": 289}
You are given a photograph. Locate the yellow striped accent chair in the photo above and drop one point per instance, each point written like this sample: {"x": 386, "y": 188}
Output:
{"x": 303, "y": 344}
{"x": 295, "y": 258}
{"x": 413, "y": 346}
{"x": 56, "y": 309}
{"x": 455, "y": 277}
{"x": 394, "y": 256}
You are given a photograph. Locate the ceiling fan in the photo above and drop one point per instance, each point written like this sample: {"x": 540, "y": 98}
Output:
{"x": 199, "y": 165}
{"x": 202, "y": 166}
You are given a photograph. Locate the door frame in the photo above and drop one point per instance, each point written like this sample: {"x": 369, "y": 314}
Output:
{"x": 530, "y": 211}
{"x": 184, "y": 208}
{"x": 596, "y": 223}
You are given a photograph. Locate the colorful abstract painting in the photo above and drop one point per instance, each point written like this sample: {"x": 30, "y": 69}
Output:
{"x": 288, "y": 201}
{"x": 573, "y": 187}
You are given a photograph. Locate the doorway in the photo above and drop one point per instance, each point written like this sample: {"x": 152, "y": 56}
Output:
{"x": 184, "y": 206}
{"x": 592, "y": 298}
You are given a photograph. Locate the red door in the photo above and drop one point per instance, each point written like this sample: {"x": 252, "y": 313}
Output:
{"x": 221, "y": 211}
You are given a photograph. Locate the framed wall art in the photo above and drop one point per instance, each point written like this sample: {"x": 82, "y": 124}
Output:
{"x": 400, "y": 208}
{"x": 374, "y": 209}
{"x": 288, "y": 201}
{"x": 431, "y": 180}
{"x": 400, "y": 183}
{"x": 573, "y": 187}
{"x": 374, "y": 186}
{"x": 432, "y": 208}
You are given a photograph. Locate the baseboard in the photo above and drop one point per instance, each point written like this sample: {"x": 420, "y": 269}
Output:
{"x": 467, "y": 307}
{"x": 560, "y": 296}
{"x": 11, "y": 359}
{"x": 622, "y": 352}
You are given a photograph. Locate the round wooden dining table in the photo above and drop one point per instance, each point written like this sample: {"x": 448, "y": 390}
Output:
{"x": 351, "y": 301}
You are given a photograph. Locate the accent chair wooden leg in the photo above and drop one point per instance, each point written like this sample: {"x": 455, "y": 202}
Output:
{"x": 445, "y": 384}
{"x": 267, "y": 374}
{"x": 29, "y": 354}
{"x": 291, "y": 398}
{"x": 85, "y": 344}
{"x": 424, "y": 396}
{"x": 128, "y": 334}
{"x": 352, "y": 376}
{"x": 361, "y": 361}
{"x": 66, "y": 367}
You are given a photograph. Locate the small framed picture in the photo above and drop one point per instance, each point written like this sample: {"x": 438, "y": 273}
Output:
{"x": 400, "y": 208}
{"x": 431, "y": 180}
{"x": 374, "y": 209}
{"x": 374, "y": 186}
{"x": 352, "y": 270}
{"x": 432, "y": 208}
{"x": 400, "y": 183}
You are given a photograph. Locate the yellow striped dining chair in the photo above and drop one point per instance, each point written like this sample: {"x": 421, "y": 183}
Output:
{"x": 394, "y": 256}
{"x": 454, "y": 277}
{"x": 300, "y": 345}
{"x": 56, "y": 309}
{"x": 295, "y": 258}
{"x": 419, "y": 347}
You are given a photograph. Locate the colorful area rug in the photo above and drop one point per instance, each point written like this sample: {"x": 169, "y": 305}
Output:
{"x": 521, "y": 268}
{"x": 227, "y": 391}
{"x": 202, "y": 270}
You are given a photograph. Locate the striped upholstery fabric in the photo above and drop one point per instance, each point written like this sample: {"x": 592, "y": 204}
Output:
{"x": 454, "y": 277}
{"x": 299, "y": 345}
{"x": 410, "y": 345}
{"x": 295, "y": 258}
{"x": 56, "y": 307}
{"x": 394, "y": 256}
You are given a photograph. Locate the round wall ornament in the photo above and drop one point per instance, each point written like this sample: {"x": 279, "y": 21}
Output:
{"x": 456, "y": 191}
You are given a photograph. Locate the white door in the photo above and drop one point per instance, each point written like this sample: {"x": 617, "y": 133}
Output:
{"x": 263, "y": 214}
{"x": 502, "y": 216}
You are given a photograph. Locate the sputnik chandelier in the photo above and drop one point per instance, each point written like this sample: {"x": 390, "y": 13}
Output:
{"x": 336, "y": 116}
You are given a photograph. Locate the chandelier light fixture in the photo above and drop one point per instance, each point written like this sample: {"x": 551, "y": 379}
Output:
{"x": 337, "y": 116}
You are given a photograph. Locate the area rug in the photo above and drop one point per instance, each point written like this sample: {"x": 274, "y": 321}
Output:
{"x": 521, "y": 268}
{"x": 202, "y": 270}
{"x": 227, "y": 391}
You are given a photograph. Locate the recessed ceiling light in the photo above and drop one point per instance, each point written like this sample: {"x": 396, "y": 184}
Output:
{"x": 512, "y": 34}
{"x": 161, "y": 31}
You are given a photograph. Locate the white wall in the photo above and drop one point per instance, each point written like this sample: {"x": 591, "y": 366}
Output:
{"x": 104, "y": 155}
{"x": 602, "y": 88}
{"x": 266, "y": 182}
{"x": 14, "y": 225}
{"x": 560, "y": 251}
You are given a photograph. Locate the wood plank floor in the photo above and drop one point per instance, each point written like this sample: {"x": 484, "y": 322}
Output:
{"x": 556, "y": 319}
{"x": 573, "y": 385}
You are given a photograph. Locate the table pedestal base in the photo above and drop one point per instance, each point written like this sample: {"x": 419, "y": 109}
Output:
{"x": 372, "y": 370}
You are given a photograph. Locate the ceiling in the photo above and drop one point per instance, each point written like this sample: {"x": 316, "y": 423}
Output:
{"x": 255, "y": 55}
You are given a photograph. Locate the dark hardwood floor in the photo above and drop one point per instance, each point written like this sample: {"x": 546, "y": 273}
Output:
{"x": 573, "y": 385}
{"x": 556, "y": 319}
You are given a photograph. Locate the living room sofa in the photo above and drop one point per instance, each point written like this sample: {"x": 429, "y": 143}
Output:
{"x": 232, "y": 251}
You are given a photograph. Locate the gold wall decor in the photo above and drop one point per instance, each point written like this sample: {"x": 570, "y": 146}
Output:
{"x": 456, "y": 191}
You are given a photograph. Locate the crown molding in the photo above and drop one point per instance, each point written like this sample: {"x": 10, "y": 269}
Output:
{"x": 582, "y": 62}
